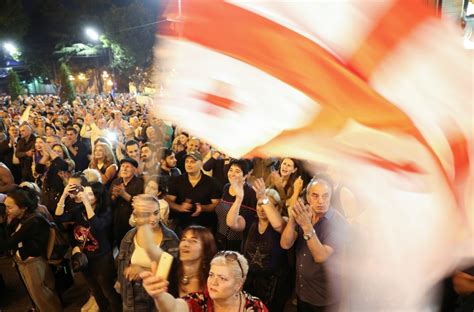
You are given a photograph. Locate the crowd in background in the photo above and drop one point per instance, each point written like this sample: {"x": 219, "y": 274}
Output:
{"x": 123, "y": 188}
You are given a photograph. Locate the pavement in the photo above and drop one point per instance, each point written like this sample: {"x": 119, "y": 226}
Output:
{"x": 14, "y": 297}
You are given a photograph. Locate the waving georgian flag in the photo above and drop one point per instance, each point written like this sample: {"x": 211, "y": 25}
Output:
{"x": 380, "y": 89}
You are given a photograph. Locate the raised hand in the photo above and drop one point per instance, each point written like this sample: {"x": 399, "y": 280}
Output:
{"x": 238, "y": 187}
{"x": 259, "y": 188}
{"x": 298, "y": 184}
{"x": 302, "y": 214}
{"x": 154, "y": 285}
{"x": 276, "y": 179}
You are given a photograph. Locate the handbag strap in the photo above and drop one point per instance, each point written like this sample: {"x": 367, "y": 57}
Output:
{"x": 86, "y": 238}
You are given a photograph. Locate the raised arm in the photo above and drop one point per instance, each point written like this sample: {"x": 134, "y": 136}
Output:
{"x": 319, "y": 251}
{"x": 157, "y": 288}
{"x": 289, "y": 235}
{"x": 234, "y": 220}
{"x": 145, "y": 240}
{"x": 62, "y": 200}
{"x": 273, "y": 215}
{"x": 297, "y": 188}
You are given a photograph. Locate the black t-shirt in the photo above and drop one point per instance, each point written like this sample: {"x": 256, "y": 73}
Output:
{"x": 180, "y": 158}
{"x": 263, "y": 251}
{"x": 166, "y": 177}
{"x": 206, "y": 189}
{"x": 81, "y": 159}
{"x": 122, "y": 209}
{"x": 247, "y": 211}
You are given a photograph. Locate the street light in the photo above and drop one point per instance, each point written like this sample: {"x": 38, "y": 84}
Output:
{"x": 92, "y": 34}
{"x": 10, "y": 48}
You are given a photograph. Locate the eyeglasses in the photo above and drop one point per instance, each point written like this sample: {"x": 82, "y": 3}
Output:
{"x": 231, "y": 255}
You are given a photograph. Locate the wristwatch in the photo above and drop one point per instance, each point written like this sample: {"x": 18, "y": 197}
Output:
{"x": 264, "y": 201}
{"x": 308, "y": 236}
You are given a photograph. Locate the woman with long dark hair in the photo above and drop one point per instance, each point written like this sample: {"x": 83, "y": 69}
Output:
{"x": 55, "y": 166}
{"x": 29, "y": 243}
{"x": 37, "y": 156}
{"x": 91, "y": 218}
{"x": 197, "y": 247}
{"x": 287, "y": 181}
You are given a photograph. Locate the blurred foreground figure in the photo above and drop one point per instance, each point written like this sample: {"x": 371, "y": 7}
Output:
{"x": 348, "y": 84}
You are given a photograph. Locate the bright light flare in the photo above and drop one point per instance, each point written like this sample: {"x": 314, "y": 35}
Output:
{"x": 92, "y": 34}
{"x": 10, "y": 48}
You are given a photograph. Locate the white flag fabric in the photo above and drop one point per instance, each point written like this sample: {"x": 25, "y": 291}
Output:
{"x": 381, "y": 90}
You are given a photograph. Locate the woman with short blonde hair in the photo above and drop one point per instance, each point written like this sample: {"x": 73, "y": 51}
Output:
{"x": 224, "y": 289}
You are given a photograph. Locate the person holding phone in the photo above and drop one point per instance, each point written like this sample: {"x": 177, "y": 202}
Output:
{"x": 91, "y": 219}
{"x": 224, "y": 292}
{"x": 149, "y": 237}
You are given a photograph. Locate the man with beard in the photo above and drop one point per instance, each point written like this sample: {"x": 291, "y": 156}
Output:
{"x": 78, "y": 150}
{"x": 168, "y": 169}
{"x": 149, "y": 165}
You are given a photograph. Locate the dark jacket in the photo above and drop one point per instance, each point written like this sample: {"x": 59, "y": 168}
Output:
{"x": 22, "y": 147}
{"x": 53, "y": 185}
{"x": 31, "y": 239}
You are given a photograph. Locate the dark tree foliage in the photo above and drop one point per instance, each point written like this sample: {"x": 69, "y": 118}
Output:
{"x": 133, "y": 28}
{"x": 14, "y": 86}
{"x": 13, "y": 21}
{"x": 66, "y": 90}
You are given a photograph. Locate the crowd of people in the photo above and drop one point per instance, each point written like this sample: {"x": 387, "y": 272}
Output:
{"x": 124, "y": 187}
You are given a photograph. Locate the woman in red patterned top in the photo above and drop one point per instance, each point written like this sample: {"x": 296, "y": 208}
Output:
{"x": 224, "y": 289}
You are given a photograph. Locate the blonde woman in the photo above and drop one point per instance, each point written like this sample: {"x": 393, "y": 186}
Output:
{"x": 224, "y": 289}
{"x": 104, "y": 161}
{"x": 135, "y": 251}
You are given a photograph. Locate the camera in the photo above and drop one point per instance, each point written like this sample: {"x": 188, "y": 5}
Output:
{"x": 76, "y": 189}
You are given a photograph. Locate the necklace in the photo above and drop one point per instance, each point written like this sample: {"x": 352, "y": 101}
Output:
{"x": 186, "y": 278}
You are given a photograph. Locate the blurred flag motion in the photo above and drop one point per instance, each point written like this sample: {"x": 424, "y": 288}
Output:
{"x": 380, "y": 90}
